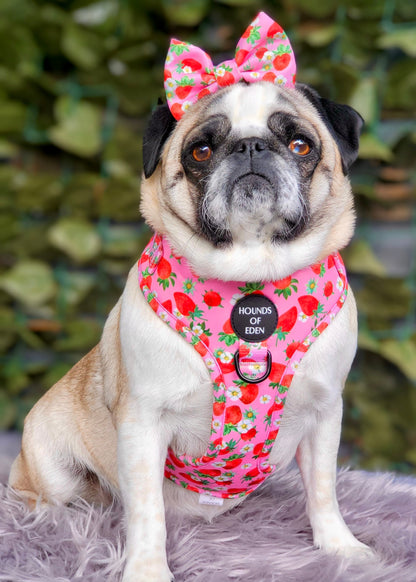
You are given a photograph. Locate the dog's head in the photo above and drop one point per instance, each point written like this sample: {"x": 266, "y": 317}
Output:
{"x": 252, "y": 183}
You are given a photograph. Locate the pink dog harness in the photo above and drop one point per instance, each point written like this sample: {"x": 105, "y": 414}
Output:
{"x": 252, "y": 337}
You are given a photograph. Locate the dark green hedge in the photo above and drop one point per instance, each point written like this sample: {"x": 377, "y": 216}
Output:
{"x": 77, "y": 80}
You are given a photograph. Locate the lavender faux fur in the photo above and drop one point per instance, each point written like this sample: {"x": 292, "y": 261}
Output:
{"x": 266, "y": 539}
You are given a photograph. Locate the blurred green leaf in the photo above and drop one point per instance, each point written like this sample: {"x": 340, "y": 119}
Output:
{"x": 360, "y": 258}
{"x": 384, "y": 297}
{"x": 12, "y": 116}
{"x": 373, "y": 149}
{"x": 30, "y": 282}
{"x": 365, "y": 99}
{"x": 79, "y": 127}
{"x": 403, "y": 38}
{"x": 75, "y": 287}
{"x": 81, "y": 334}
{"x": 8, "y": 411}
{"x": 82, "y": 47}
{"x": 77, "y": 238}
{"x": 402, "y": 353}
{"x": 121, "y": 241}
{"x": 318, "y": 34}
{"x": 185, "y": 12}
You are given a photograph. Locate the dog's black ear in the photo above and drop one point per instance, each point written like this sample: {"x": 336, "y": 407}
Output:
{"x": 343, "y": 122}
{"x": 159, "y": 127}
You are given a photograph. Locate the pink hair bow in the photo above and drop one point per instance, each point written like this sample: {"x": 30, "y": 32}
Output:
{"x": 263, "y": 53}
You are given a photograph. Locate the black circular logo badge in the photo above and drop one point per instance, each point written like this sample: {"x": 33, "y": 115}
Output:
{"x": 254, "y": 318}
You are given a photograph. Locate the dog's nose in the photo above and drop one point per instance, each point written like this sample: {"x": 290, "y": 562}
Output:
{"x": 250, "y": 146}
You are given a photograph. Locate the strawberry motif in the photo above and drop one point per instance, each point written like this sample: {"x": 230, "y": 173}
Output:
{"x": 233, "y": 415}
{"x": 286, "y": 286}
{"x": 193, "y": 64}
{"x": 176, "y": 110}
{"x": 182, "y": 91}
{"x": 207, "y": 78}
{"x": 286, "y": 322}
{"x": 276, "y": 373}
{"x": 164, "y": 270}
{"x": 328, "y": 289}
{"x": 200, "y": 347}
{"x": 270, "y": 77}
{"x": 250, "y": 434}
{"x": 282, "y": 59}
{"x": 273, "y": 30}
{"x": 295, "y": 346}
{"x": 233, "y": 462}
{"x": 227, "y": 335}
{"x": 258, "y": 451}
{"x": 219, "y": 406}
{"x": 249, "y": 393}
{"x": 226, "y": 78}
{"x": 186, "y": 305}
{"x": 318, "y": 269}
{"x": 203, "y": 93}
{"x": 261, "y": 52}
{"x": 251, "y": 288}
{"x": 212, "y": 299}
{"x": 178, "y": 47}
{"x": 331, "y": 262}
{"x": 310, "y": 305}
{"x": 240, "y": 56}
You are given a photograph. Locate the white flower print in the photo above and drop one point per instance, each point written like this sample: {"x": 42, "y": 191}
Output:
{"x": 234, "y": 393}
{"x": 339, "y": 284}
{"x": 187, "y": 70}
{"x": 280, "y": 80}
{"x": 186, "y": 105}
{"x": 295, "y": 365}
{"x": 170, "y": 83}
{"x": 302, "y": 316}
{"x": 265, "y": 399}
{"x": 244, "y": 426}
{"x": 254, "y": 74}
{"x": 219, "y": 464}
{"x": 247, "y": 448}
{"x": 163, "y": 316}
{"x": 197, "y": 329}
{"x": 177, "y": 313}
{"x": 246, "y": 465}
{"x": 268, "y": 56}
{"x": 216, "y": 425}
{"x": 210, "y": 362}
{"x": 226, "y": 357}
{"x": 236, "y": 298}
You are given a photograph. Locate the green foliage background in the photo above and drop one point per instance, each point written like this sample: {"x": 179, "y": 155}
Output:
{"x": 77, "y": 81}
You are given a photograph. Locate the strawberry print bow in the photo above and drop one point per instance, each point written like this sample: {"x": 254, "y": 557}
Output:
{"x": 263, "y": 54}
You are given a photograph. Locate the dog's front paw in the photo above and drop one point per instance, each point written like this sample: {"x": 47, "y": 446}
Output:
{"x": 337, "y": 539}
{"x": 151, "y": 570}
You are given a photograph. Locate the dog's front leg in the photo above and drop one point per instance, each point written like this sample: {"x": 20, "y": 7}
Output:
{"x": 142, "y": 447}
{"x": 317, "y": 460}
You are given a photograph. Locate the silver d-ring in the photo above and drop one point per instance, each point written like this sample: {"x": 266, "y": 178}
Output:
{"x": 251, "y": 380}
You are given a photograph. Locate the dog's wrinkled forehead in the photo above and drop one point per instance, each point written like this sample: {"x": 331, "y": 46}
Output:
{"x": 249, "y": 107}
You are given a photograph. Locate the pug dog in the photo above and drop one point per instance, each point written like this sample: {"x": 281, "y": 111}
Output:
{"x": 250, "y": 185}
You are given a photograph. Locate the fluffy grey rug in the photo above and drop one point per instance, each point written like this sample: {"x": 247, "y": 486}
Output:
{"x": 267, "y": 538}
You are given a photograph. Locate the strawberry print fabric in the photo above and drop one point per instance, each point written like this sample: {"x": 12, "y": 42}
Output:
{"x": 263, "y": 54}
{"x": 245, "y": 416}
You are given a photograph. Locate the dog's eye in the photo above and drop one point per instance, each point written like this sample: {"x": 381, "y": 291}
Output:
{"x": 299, "y": 146}
{"x": 201, "y": 153}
